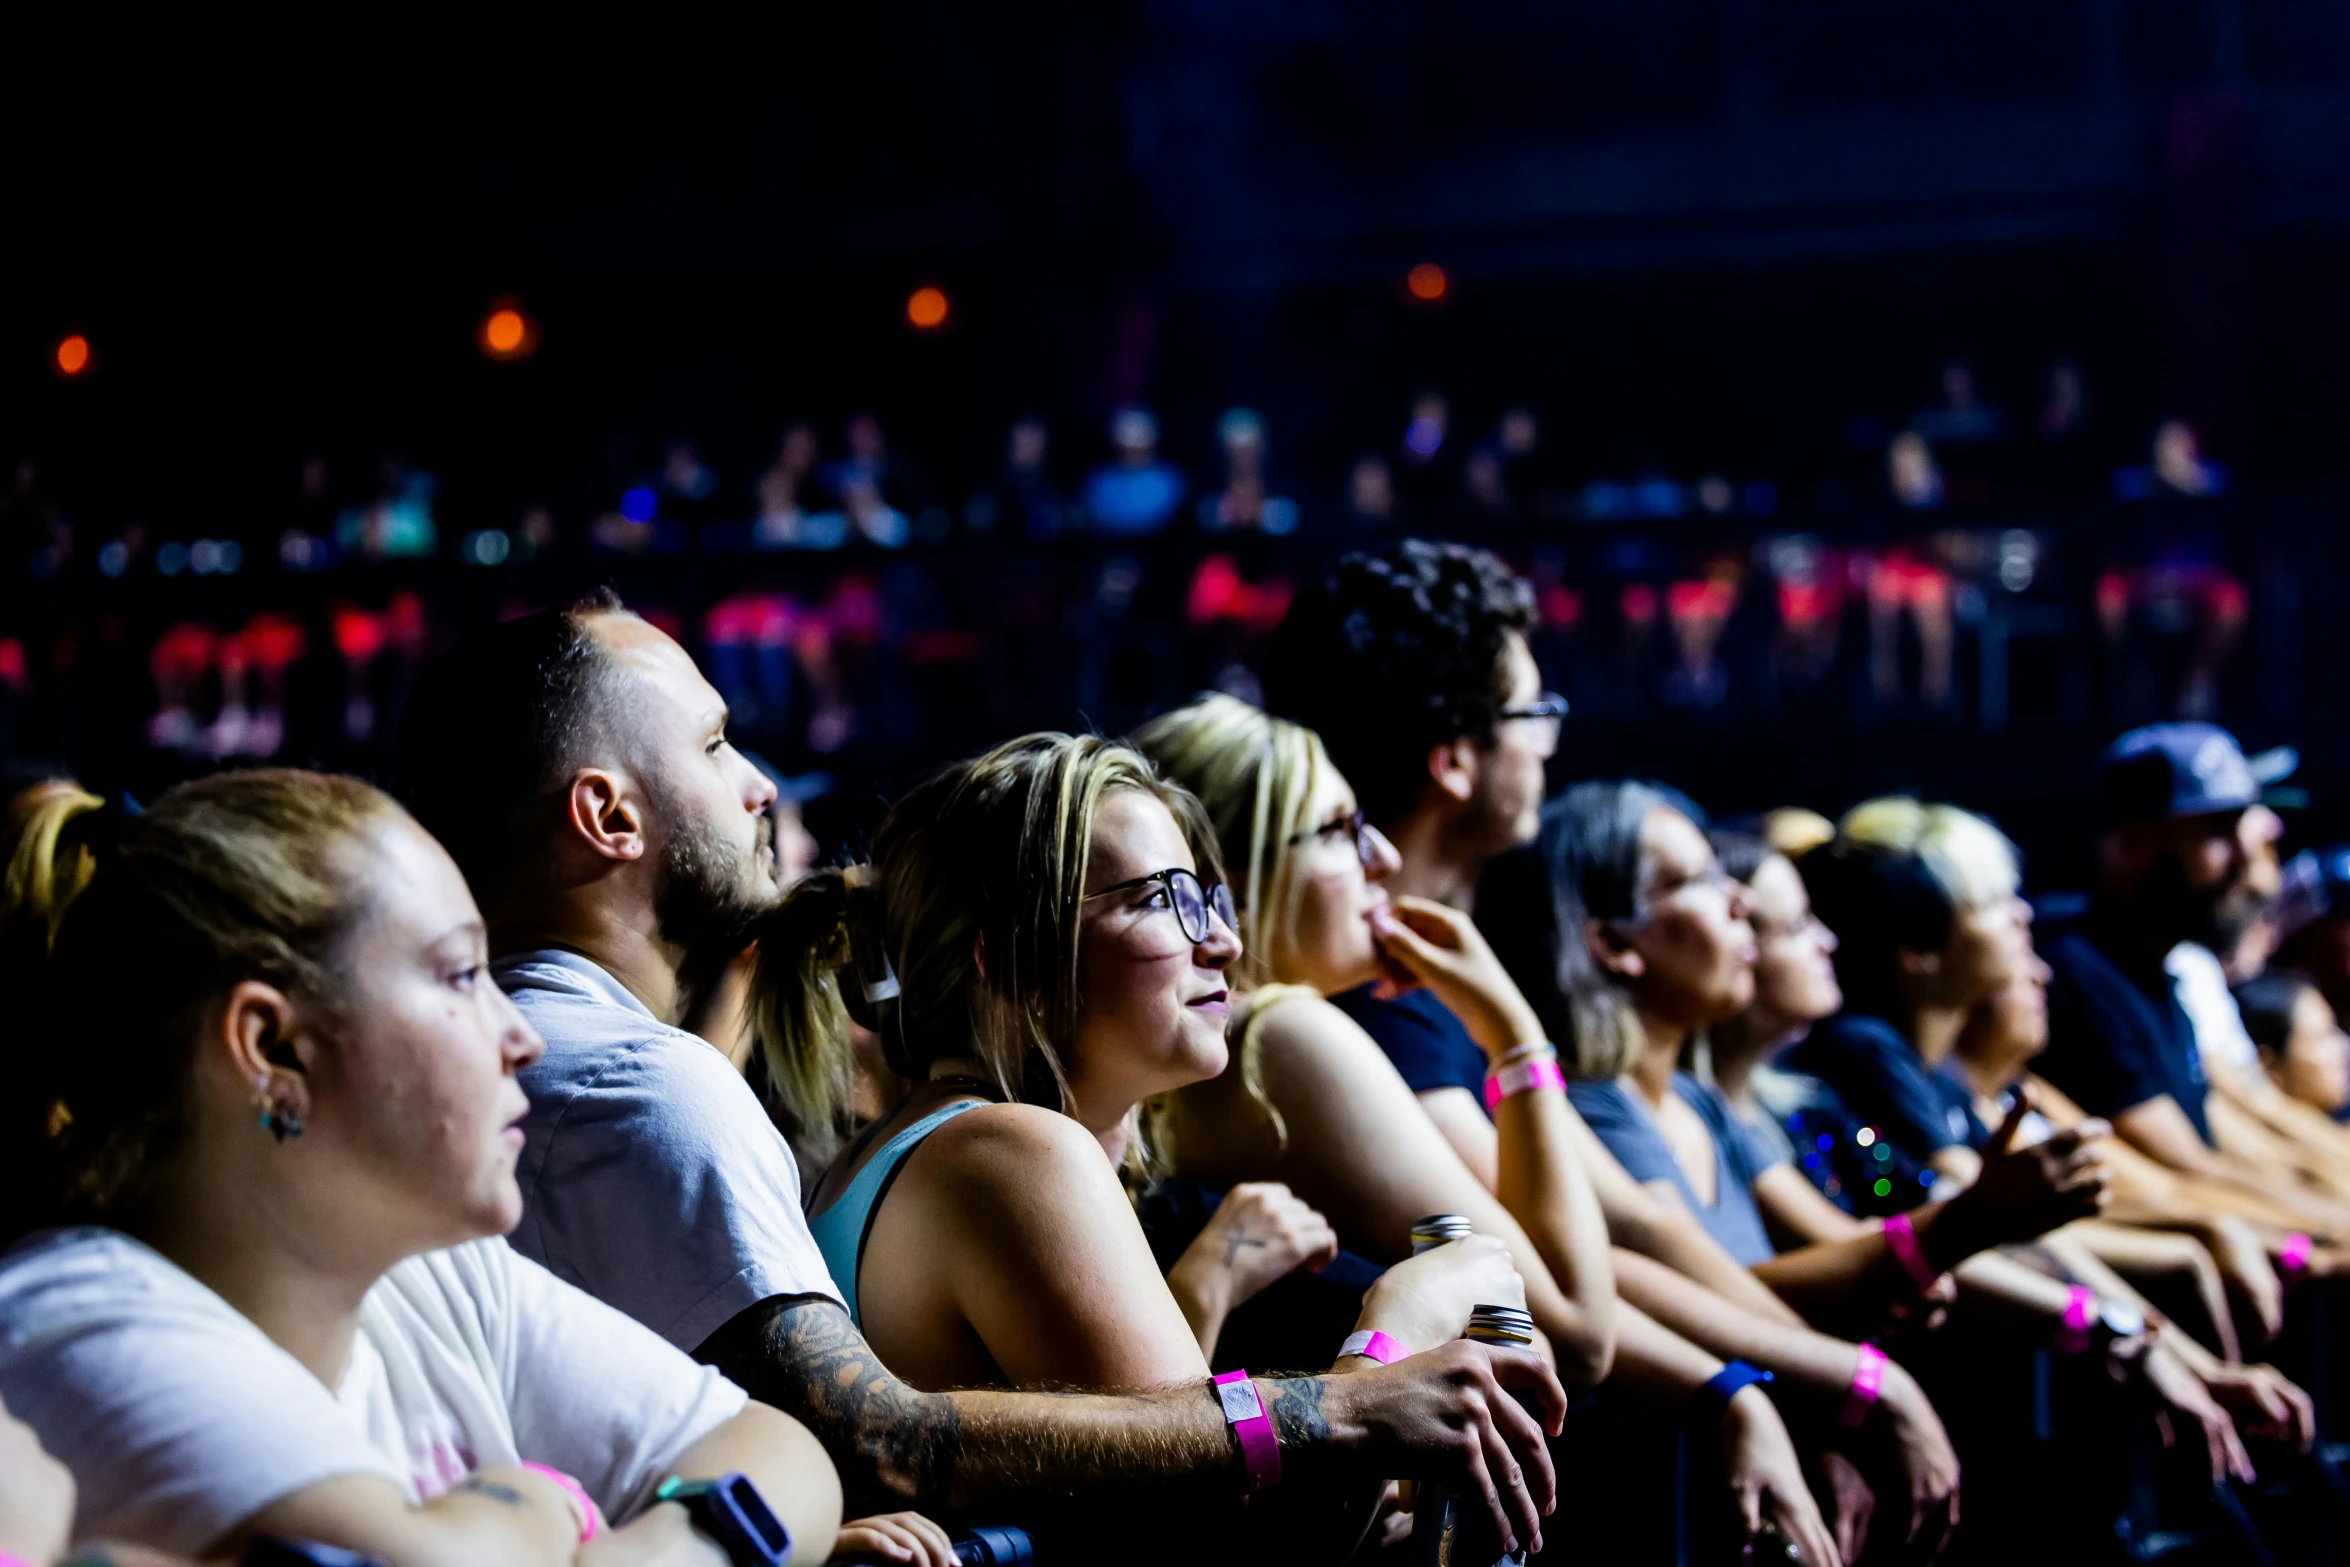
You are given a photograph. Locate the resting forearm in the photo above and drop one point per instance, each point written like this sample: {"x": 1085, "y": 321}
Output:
{"x": 1543, "y": 1182}
{"x": 1797, "y": 1355}
{"x": 1842, "y": 1281}
{"x": 1681, "y": 1245}
{"x": 1657, "y": 1363}
{"x": 788, "y": 1465}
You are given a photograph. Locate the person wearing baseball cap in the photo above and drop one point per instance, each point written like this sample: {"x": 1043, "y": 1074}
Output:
{"x": 2187, "y": 829}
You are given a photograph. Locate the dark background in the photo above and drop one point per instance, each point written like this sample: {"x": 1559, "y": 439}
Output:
{"x": 1732, "y": 237}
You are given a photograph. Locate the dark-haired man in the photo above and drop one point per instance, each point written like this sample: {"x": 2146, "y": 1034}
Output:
{"x": 1412, "y": 665}
{"x": 2183, "y": 856}
{"x": 577, "y": 766}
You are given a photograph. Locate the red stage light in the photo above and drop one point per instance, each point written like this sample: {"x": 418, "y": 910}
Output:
{"x": 506, "y": 333}
{"x": 926, "y": 309}
{"x": 1427, "y": 282}
{"x": 73, "y": 354}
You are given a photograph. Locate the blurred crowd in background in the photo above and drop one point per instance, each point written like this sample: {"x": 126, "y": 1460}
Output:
{"x": 1971, "y": 564}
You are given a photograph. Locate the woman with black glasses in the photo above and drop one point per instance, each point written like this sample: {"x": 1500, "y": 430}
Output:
{"x": 1041, "y": 941}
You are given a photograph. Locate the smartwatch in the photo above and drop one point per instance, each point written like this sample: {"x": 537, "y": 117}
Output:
{"x": 730, "y": 1511}
{"x": 267, "y": 1550}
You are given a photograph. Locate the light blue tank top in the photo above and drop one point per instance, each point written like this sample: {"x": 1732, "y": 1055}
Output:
{"x": 840, "y": 1230}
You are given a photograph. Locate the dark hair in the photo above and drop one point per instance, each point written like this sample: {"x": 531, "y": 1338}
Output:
{"x": 246, "y": 875}
{"x": 1880, "y": 902}
{"x": 1399, "y": 652}
{"x": 2267, "y": 1002}
{"x": 495, "y": 724}
{"x": 1585, "y": 864}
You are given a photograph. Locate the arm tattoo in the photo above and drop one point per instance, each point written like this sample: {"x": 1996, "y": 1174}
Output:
{"x": 1297, "y": 1412}
{"x": 895, "y": 1446}
{"x": 1238, "y": 1239}
{"x": 505, "y": 1495}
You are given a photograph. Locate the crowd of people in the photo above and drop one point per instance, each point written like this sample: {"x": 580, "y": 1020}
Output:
{"x": 1275, "y": 1134}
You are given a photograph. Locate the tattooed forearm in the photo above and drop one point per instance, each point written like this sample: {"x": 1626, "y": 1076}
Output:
{"x": 1297, "y": 1412}
{"x": 504, "y": 1494}
{"x": 894, "y": 1445}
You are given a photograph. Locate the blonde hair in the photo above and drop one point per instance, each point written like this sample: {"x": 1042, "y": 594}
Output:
{"x": 1256, "y": 775}
{"x": 959, "y": 939}
{"x": 1793, "y": 832}
{"x": 1970, "y": 860}
{"x": 119, "y": 927}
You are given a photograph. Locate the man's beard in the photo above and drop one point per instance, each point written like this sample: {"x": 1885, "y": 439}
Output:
{"x": 2214, "y": 918}
{"x": 710, "y": 895}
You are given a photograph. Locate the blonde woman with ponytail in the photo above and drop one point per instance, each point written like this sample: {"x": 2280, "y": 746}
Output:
{"x": 1041, "y": 942}
{"x": 259, "y": 1141}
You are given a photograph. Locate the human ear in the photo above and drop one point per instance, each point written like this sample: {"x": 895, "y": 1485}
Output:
{"x": 1452, "y": 768}
{"x": 603, "y": 811}
{"x": 266, "y": 1045}
{"x": 1611, "y": 951}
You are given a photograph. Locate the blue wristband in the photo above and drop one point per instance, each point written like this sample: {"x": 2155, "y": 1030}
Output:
{"x": 1725, "y": 1385}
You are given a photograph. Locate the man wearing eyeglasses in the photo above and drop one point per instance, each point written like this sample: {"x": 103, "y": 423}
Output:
{"x": 1413, "y": 666}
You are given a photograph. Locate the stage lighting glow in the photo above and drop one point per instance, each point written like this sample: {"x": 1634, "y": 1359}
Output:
{"x": 1427, "y": 282}
{"x": 506, "y": 333}
{"x": 73, "y": 354}
{"x": 639, "y": 504}
{"x": 926, "y": 309}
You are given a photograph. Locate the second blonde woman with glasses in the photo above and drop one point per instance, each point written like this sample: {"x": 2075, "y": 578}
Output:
{"x": 1312, "y": 1101}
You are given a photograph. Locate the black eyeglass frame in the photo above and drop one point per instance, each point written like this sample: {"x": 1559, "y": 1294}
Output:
{"x": 1204, "y": 900}
{"x": 1354, "y": 824}
{"x": 1549, "y": 705}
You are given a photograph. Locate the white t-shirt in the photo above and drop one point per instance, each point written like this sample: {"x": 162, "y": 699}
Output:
{"x": 2201, "y": 985}
{"x": 652, "y": 1177}
{"x": 180, "y": 1419}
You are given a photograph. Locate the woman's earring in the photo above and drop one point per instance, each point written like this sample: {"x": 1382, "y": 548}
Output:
{"x": 276, "y": 1120}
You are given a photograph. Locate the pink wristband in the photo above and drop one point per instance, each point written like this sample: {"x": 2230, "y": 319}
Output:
{"x": 1260, "y": 1451}
{"x": 581, "y": 1502}
{"x": 2080, "y": 1314}
{"x": 1372, "y": 1344}
{"x": 2293, "y": 1256}
{"x": 6, "y": 1560}
{"x": 1901, "y": 1239}
{"x": 1868, "y": 1380}
{"x": 1519, "y": 1076}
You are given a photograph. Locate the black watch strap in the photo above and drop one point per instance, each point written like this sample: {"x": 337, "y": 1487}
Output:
{"x": 731, "y": 1512}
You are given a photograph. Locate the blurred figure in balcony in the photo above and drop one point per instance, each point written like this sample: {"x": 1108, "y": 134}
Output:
{"x": 1242, "y": 505}
{"x": 1023, "y": 502}
{"x": 1370, "y": 494}
{"x": 1136, "y": 494}
{"x": 783, "y": 517}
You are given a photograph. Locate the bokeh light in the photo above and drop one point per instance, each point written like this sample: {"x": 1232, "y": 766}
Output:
{"x": 1427, "y": 282}
{"x": 506, "y": 333}
{"x": 73, "y": 354}
{"x": 926, "y": 309}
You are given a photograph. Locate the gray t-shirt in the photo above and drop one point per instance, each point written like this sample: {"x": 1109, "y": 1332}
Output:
{"x": 652, "y": 1177}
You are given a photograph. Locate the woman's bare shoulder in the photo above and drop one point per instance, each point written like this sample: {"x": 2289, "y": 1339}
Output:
{"x": 1311, "y": 1031}
{"x": 1018, "y": 1143}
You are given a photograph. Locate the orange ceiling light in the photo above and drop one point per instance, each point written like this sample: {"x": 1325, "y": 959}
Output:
{"x": 73, "y": 354}
{"x": 506, "y": 333}
{"x": 926, "y": 309}
{"x": 1427, "y": 283}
